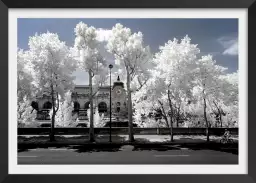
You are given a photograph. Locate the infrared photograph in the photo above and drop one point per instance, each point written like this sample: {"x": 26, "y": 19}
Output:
{"x": 127, "y": 91}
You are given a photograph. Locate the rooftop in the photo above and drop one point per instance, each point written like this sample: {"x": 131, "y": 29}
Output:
{"x": 87, "y": 86}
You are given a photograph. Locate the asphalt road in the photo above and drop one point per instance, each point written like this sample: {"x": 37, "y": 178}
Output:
{"x": 172, "y": 154}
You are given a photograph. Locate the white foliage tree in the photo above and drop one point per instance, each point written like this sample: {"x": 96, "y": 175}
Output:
{"x": 25, "y": 88}
{"x": 133, "y": 59}
{"x": 172, "y": 80}
{"x": 99, "y": 119}
{"x": 26, "y": 113}
{"x": 186, "y": 86}
{"x": 53, "y": 66}
{"x": 91, "y": 61}
{"x": 64, "y": 115}
{"x": 207, "y": 76}
{"x": 24, "y": 76}
{"x": 225, "y": 98}
{"x": 231, "y": 102}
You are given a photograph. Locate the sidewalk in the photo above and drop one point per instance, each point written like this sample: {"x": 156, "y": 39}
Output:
{"x": 117, "y": 139}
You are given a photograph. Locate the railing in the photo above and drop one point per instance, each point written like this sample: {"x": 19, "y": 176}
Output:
{"x": 43, "y": 115}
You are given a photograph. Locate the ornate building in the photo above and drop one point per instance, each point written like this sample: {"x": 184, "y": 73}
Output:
{"x": 80, "y": 97}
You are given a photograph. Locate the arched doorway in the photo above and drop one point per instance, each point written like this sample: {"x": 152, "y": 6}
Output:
{"x": 83, "y": 112}
{"x": 102, "y": 107}
{"x": 76, "y": 106}
{"x": 34, "y": 105}
{"x": 76, "y": 112}
{"x": 86, "y": 105}
{"x": 45, "y": 112}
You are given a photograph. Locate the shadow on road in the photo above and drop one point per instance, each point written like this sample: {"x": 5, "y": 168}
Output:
{"x": 77, "y": 148}
{"x": 89, "y": 148}
{"x": 141, "y": 144}
{"x": 228, "y": 149}
{"x": 101, "y": 148}
{"x": 154, "y": 147}
{"x": 43, "y": 142}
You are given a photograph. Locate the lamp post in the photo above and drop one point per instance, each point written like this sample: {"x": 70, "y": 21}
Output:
{"x": 110, "y": 103}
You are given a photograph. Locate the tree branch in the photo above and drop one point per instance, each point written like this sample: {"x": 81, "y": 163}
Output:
{"x": 141, "y": 84}
{"x": 164, "y": 113}
{"x": 95, "y": 93}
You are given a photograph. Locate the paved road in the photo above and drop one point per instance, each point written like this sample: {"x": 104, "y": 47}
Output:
{"x": 125, "y": 155}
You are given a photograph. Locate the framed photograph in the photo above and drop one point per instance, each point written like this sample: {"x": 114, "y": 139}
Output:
{"x": 131, "y": 91}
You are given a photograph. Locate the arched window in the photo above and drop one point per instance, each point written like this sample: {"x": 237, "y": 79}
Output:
{"x": 102, "y": 107}
{"x": 47, "y": 105}
{"x": 76, "y": 106}
{"x": 34, "y": 105}
{"x": 86, "y": 105}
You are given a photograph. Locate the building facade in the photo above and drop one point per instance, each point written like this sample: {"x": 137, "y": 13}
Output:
{"x": 80, "y": 97}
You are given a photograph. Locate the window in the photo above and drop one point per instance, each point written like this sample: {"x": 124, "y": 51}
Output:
{"x": 47, "y": 105}
{"x": 102, "y": 107}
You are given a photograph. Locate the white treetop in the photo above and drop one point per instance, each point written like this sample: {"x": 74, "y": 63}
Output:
{"x": 181, "y": 81}
{"x": 52, "y": 63}
{"x": 87, "y": 53}
{"x": 176, "y": 61}
{"x": 24, "y": 76}
{"x": 208, "y": 74}
{"x": 172, "y": 80}
{"x": 131, "y": 56}
{"x": 176, "y": 81}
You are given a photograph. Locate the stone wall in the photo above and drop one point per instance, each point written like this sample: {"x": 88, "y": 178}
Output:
{"x": 124, "y": 131}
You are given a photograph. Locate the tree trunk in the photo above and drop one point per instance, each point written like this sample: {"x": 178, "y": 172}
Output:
{"x": 167, "y": 123}
{"x": 177, "y": 121}
{"x": 178, "y": 117}
{"x": 129, "y": 103}
{"x": 171, "y": 129}
{"x": 171, "y": 115}
{"x": 220, "y": 119}
{"x": 168, "y": 126}
{"x": 52, "y": 135}
{"x": 91, "y": 131}
{"x": 206, "y": 121}
{"x": 219, "y": 111}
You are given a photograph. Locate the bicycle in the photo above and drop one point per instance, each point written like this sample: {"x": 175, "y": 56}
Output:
{"x": 226, "y": 140}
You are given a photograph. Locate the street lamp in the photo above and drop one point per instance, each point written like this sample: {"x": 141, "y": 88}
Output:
{"x": 110, "y": 112}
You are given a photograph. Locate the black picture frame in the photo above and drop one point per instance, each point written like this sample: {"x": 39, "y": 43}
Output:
{"x": 6, "y": 4}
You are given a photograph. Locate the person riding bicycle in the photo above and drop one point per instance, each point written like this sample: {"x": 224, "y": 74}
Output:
{"x": 226, "y": 134}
